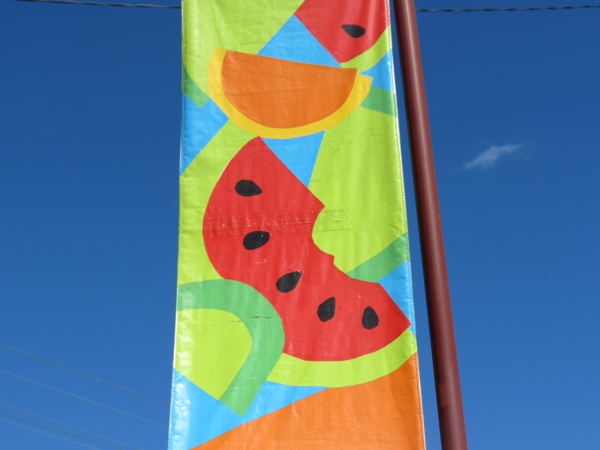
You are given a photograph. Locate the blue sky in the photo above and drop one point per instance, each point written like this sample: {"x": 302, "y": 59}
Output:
{"x": 89, "y": 160}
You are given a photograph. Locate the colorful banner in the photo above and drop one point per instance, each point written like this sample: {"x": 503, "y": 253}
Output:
{"x": 294, "y": 310}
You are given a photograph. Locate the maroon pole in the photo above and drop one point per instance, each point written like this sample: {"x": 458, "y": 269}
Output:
{"x": 441, "y": 328}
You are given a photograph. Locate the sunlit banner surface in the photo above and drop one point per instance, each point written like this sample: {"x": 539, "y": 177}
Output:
{"x": 294, "y": 307}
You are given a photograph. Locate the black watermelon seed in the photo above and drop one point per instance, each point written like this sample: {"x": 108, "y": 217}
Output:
{"x": 354, "y": 31}
{"x": 247, "y": 188}
{"x": 288, "y": 282}
{"x": 369, "y": 318}
{"x": 255, "y": 239}
{"x": 326, "y": 310}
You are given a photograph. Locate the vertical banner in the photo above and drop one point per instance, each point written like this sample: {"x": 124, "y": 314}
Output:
{"x": 294, "y": 310}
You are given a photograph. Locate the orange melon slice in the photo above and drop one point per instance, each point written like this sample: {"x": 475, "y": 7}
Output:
{"x": 276, "y": 98}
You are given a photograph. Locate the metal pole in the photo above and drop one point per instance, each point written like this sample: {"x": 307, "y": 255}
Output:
{"x": 441, "y": 328}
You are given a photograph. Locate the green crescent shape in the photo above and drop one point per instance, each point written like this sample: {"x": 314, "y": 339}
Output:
{"x": 261, "y": 320}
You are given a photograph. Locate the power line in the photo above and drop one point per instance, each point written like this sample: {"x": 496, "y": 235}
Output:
{"x": 426, "y": 10}
{"x": 58, "y": 431}
{"x": 77, "y": 372}
{"x": 47, "y": 434}
{"x": 75, "y": 2}
{"x": 81, "y": 398}
{"x": 67, "y": 426}
{"x": 533, "y": 8}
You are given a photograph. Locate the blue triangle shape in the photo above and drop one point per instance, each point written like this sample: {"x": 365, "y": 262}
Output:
{"x": 196, "y": 417}
{"x": 298, "y": 154}
{"x": 199, "y": 126}
{"x": 381, "y": 72}
{"x": 294, "y": 42}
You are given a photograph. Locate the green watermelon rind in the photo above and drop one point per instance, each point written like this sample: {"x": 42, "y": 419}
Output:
{"x": 293, "y": 371}
{"x": 266, "y": 362}
{"x": 262, "y": 322}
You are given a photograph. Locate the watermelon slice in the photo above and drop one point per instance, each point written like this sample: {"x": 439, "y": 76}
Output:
{"x": 347, "y": 28}
{"x": 258, "y": 230}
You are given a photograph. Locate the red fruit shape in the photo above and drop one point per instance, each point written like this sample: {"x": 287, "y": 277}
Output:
{"x": 346, "y": 28}
{"x": 258, "y": 230}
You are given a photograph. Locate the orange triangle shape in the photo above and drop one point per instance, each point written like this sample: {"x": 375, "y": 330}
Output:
{"x": 383, "y": 414}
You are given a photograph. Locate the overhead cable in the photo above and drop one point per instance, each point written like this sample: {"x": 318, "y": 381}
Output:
{"x": 423, "y": 10}
{"x": 56, "y": 430}
{"x": 75, "y": 2}
{"x": 77, "y": 372}
{"x": 70, "y": 427}
{"x": 533, "y": 8}
{"x": 43, "y": 432}
{"x": 81, "y": 398}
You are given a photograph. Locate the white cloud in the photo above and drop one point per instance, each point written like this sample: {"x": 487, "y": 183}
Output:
{"x": 488, "y": 158}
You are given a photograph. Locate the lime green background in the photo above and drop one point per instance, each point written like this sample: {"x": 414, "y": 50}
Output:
{"x": 358, "y": 171}
{"x": 205, "y": 335}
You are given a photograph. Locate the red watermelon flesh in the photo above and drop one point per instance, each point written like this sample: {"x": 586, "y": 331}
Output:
{"x": 346, "y": 28}
{"x": 258, "y": 230}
